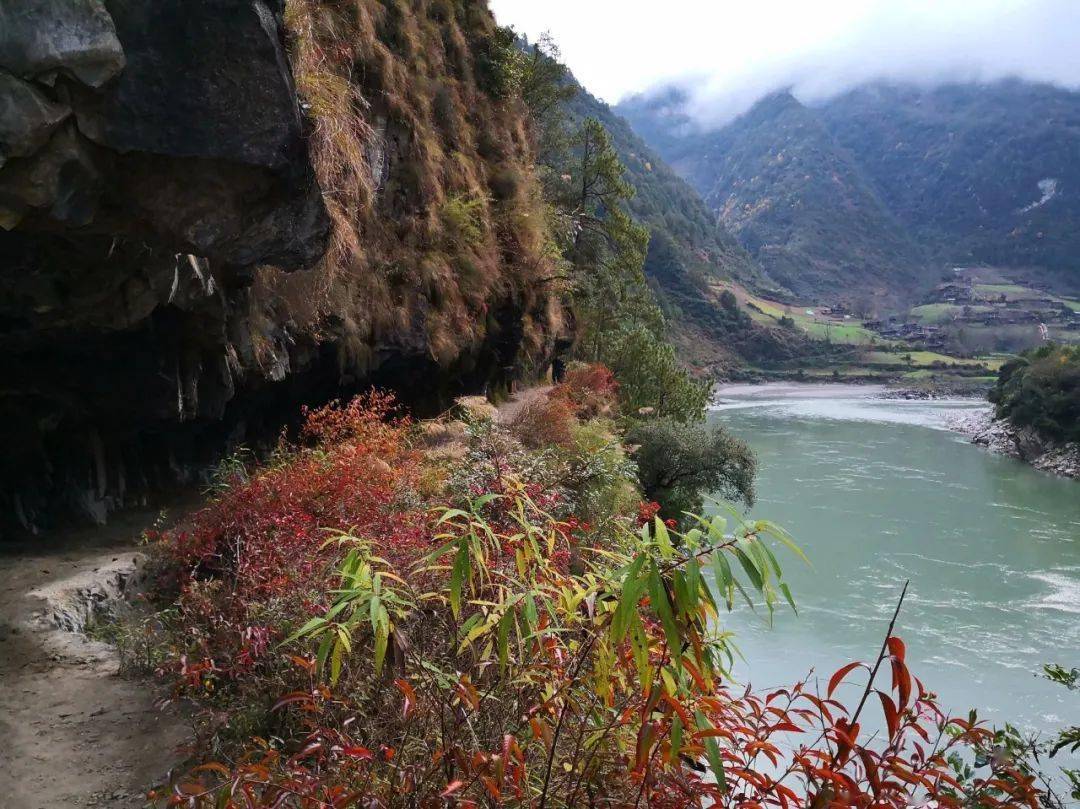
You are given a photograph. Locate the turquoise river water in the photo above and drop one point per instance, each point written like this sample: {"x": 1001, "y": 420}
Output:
{"x": 878, "y": 492}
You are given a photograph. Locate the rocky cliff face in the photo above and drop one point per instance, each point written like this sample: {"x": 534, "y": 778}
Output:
{"x": 183, "y": 260}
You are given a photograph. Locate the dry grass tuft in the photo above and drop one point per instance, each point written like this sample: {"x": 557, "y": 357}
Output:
{"x": 544, "y": 422}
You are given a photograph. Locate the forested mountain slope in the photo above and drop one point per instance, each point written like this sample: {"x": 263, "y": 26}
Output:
{"x": 689, "y": 252}
{"x": 978, "y": 173}
{"x": 885, "y": 186}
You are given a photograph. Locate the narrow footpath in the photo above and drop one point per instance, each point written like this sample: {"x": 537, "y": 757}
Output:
{"x": 73, "y": 732}
{"x": 518, "y": 401}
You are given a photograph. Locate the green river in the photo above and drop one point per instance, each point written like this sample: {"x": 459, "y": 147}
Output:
{"x": 878, "y": 492}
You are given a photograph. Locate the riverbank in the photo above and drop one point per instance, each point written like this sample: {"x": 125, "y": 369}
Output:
{"x": 827, "y": 389}
{"x": 1022, "y": 443}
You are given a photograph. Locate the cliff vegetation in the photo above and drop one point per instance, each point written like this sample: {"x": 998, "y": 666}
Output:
{"x": 217, "y": 211}
{"x": 1041, "y": 390}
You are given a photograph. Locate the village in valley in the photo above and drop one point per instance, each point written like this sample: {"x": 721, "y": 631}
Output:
{"x": 955, "y": 338}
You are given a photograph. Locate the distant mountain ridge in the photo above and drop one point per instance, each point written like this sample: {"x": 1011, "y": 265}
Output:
{"x": 690, "y": 254}
{"x": 875, "y": 192}
{"x": 666, "y": 203}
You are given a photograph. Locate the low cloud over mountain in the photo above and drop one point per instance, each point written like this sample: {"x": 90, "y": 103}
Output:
{"x": 727, "y": 56}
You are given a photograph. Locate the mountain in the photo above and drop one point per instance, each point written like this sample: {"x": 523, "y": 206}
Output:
{"x": 878, "y": 190}
{"x": 979, "y": 173}
{"x": 798, "y": 202}
{"x": 690, "y": 254}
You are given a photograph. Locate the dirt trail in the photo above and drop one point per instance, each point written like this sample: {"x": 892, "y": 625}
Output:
{"x": 509, "y": 409}
{"x": 73, "y": 733}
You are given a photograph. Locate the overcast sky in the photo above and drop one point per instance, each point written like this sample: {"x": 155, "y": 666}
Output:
{"x": 730, "y": 52}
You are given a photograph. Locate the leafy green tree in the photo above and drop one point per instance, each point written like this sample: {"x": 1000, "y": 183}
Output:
{"x": 498, "y": 63}
{"x": 545, "y": 82}
{"x": 620, "y": 324}
{"x": 651, "y": 378}
{"x": 677, "y": 462}
{"x": 1041, "y": 389}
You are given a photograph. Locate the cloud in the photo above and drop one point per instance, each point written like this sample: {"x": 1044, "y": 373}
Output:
{"x": 728, "y": 53}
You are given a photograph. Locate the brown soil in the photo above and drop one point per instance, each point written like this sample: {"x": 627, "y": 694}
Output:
{"x": 73, "y": 732}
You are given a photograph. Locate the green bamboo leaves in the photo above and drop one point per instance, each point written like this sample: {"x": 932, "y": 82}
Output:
{"x": 364, "y": 601}
{"x": 506, "y": 608}
{"x": 639, "y": 618}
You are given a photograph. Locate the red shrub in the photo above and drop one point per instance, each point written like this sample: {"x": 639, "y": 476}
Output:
{"x": 263, "y": 539}
{"x": 590, "y": 390}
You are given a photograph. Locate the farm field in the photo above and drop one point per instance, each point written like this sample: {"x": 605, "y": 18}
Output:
{"x": 879, "y": 357}
{"x": 819, "y": 325}
{"x": 928, "y": 359}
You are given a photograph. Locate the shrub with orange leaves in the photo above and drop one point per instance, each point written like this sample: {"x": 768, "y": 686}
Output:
{"x": 487, "y": 654}
{"x": 590, "y": 390}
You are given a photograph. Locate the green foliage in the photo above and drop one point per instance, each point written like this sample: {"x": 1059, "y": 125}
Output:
{"x": 545, "y": 82}
{"x": 651, "y": 377}
{"x": 364, "y": 600}
{"x": 1057, "y": 674}
{"x": 619, "y": 322}
{"x": 1041, "y": 389}
{"x": 462, "y": 218}
{"x": 484, "y": 646}
{"x": 688, "y": 249}
{"x": 601, "y": 473}
{"x": 498, "y": 63}
{"x": 1069, "y": 738}
{"x": 1030, "y": 752}
{"x": 667, "y": 205}
{"x": 679, "y": 462}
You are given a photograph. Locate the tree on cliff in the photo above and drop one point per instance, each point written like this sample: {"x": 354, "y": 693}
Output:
{"x": 622, "y": 327}
{"x": 620, "y": 322}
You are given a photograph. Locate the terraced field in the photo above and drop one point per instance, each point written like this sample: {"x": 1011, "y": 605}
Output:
{"x": 930, "y": 359}
{"x": 935, "y": 314}
{"x": 881, "y": 357}
{"x": 808, "y": 319}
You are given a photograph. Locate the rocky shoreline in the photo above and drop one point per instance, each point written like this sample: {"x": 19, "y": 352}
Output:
{"x": 1022, "y": 443}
